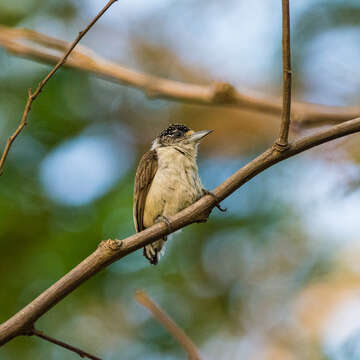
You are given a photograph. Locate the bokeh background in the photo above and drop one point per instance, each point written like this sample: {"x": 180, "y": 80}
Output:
{"x": 276, "y": 277}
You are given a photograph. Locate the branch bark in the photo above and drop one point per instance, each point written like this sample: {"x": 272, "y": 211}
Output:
{"x": 33, "y": 95}
{"x": 112, "y": 250}
{"x": 164, "y": 319}
{"x": 39, "y": 47}
{"x": 109, "y": 251}
{"x": 282, "y": 141}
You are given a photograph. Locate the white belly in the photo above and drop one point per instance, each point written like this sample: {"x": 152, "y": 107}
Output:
{"x": 175, "y": 186}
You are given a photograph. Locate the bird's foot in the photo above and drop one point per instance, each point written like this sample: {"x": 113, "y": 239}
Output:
{"x": 207, "y": 192}
{"x": 166, "y": 221}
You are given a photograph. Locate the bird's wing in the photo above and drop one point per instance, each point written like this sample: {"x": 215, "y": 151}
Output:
{"x": 144, "y": 175}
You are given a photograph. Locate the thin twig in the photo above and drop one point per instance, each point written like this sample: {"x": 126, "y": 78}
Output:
{"x": 164, "y": 319}
{"x": 81, "y": 353}
{"x": 33, "y": 95}
{"x": 282, "y": 141}
{"x": 39, "y": 47}
{"x": 110, "y": 251}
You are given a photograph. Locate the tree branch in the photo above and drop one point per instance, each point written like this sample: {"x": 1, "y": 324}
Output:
{"x": 33, "y": 95}
{"x": 112, "y": 250}
{"x": 282, "y": 141}
{"x": 109, "y": 251}
{"x": 164, "y": 319}
{"x": 34, "y": 45}
{"x": 74, "y": 349}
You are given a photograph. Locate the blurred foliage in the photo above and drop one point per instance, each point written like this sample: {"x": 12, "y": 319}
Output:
{"x": 13, "y": 12}
{"x": 248, "y": 284}
{"x": 322, "y": 17}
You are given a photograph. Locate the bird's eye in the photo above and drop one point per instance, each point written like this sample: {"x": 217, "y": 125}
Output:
{"x": 177, "y": 134}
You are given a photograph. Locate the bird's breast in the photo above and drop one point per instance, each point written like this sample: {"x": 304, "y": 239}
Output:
{"x": 177, "y": 171}
{"x": 175, "y": 186}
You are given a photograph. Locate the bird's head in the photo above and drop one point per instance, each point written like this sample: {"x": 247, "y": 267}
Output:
{"x": 181, "y": 137}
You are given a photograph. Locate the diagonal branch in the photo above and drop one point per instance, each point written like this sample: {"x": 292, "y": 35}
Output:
{"x": 282, "y": 141}
{"x": 164, "y": 319}
{"x": 34, "y": 45}
{"x": 111, "y": 250}
{"x": 81, "y": 353}
{"x": 33, "y": 95}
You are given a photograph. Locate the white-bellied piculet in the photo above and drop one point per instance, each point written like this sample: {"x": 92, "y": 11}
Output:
{"x": 167, "y": 181}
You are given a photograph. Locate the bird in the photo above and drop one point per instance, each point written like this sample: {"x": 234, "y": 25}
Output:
{"x": 167, "y": 181}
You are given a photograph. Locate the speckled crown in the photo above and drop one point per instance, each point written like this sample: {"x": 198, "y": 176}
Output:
{"x": 172, "y": 128}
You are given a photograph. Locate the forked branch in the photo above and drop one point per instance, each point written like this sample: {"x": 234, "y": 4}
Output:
{"x": 112, "y": 250}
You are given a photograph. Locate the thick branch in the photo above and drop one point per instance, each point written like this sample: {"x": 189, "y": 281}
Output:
{"x": 81, "y": 353}
{"x": 31, "y": 44}
{"x": 169, "y": 324}
{"x": 282, "y": 141}
{"x": 112, "y": 250}
{"x": 33, "y": 95}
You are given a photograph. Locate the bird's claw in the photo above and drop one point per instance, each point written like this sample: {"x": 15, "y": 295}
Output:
{"x": 217, "y": 204}
{"x": 166, "y": 221}
{"x": 221, "y": 208}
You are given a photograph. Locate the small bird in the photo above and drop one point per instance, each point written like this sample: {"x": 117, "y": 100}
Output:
{"x": 167, "y": 181}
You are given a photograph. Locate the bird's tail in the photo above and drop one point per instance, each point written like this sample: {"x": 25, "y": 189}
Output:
{"x": 155, "y": 250}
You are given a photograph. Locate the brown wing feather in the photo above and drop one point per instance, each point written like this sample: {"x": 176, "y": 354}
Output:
{"x": 144, "y": 175}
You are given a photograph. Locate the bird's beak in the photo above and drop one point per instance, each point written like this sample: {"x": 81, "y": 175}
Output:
{"x": 197, "y": 136}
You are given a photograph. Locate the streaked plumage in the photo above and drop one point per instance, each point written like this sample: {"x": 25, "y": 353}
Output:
{"x": 166, "y": 181}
